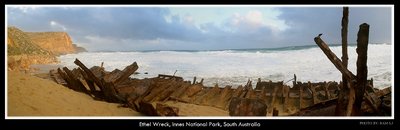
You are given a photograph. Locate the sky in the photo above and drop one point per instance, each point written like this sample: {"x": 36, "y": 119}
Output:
{"x": 125, "y": 28}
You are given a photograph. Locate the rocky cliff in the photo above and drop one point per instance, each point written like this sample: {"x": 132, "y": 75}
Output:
{"x": 56, "y": 42}
{"x": 22, "y": 51}
{"x": 19, "y": 43}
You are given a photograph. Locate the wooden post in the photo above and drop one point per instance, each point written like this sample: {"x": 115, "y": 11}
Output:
{"x": 272, "y": 103}
{"x": 194, "y": 80}
{"x": 285, "y": 102}
{"x": 313, "y": 93}
{"x": 295, "y": 78}
{"x": 345, "y": 22}
{"x": 300, "y": 96}
{"x": 275, "y": 112}
{"x": 362, "y": 70}
{"x": 345, "y": 88}
{"x": 327, "y": 93}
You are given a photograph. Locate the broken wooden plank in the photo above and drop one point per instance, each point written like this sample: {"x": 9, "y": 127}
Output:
{"x": 313, "y": 93}
{"x": 272, "y": 103}
{"x": 89, "y": 74}
{"x": 193, "y": 89}
{"x": 76, "y": 84}
{"x": 238, "y": 91}
{"x": 128, "y": 71}
{"x": 179, "y": 92}
{"x": 326, "y": 108}
{"x": 286, "y": 100}
{"x": 88, "y": 80}
{"x": 224, "y": 98}
{"x": 156, "y": 91}
{"x": 56, "y": 77}
{"x": 65, "y": 77}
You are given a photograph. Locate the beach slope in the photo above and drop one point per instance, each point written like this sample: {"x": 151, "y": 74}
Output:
{"x": 32, "y": 96}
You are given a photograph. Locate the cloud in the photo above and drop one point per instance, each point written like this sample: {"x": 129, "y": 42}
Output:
{"x": 149, "y": 28}
{"x": 56, "y": 25}
{"x": 26, "y": 9}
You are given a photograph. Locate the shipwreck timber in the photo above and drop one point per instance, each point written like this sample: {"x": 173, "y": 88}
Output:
{"x": 355, "y": 95}
{"x": 149, "y": 95}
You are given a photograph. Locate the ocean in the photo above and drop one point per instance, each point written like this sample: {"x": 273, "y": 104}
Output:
{"x": 235, "y": 66}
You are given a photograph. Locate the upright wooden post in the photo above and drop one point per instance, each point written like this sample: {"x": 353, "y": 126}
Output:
{"x": 344, "y": 90}
{"x": 275, "y": 112}
{"x": 345, "y": 22}
{"x": 326, "y": 87}
{"x": 362, "y": 70}
{"x": 300, "y": 96}
{"x": 194, "y": 80}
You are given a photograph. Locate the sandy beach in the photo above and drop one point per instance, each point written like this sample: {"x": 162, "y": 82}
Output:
{"x": 32, "y": 95}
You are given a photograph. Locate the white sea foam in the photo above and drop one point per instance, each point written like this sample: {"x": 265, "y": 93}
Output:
{"x": 236, "y": 67}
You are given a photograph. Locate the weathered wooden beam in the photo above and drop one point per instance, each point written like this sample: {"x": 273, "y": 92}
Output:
{"x": 238, "y": 91}
{"x": 194, "y": 80}
{"x": 334, "y": 59}
{"x": 371, "y": 103}
{"x": 77, "y": 84}
{"x": 272, "y": 103}
{"x": 89, "y": 74}
{"x": 275, "y": 112}
{"x": 88, "y": 81}
{"x": 300, "y": 96}
{"x": 285, "y": 102}
{"x": 362, "y": 70}
{"x": 345, "y": 22}
{"x": 128, "y": 71}
{"x": 224, "y": 98}
{"x": 65, "y": 77}
{"x": 343, "y": 97}
{"x": 327, "y": 93}
{"x": 325, "y": 108}
{"x": 247, "y": 107}
{"x": 57, "y": 77}
{"x": 313, "y": 92}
